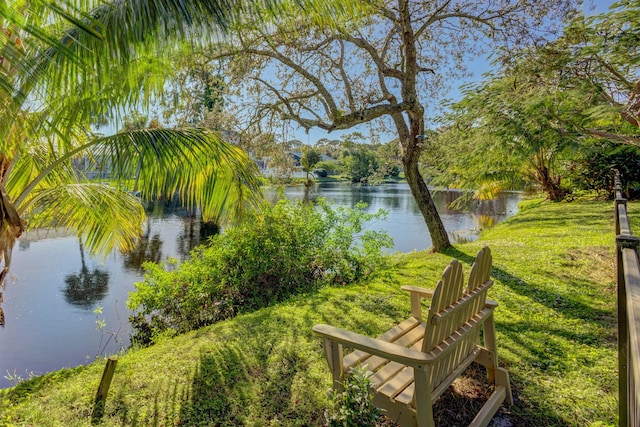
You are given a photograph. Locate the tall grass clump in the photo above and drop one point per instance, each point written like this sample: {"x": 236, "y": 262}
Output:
{"x": 285, "y": 249}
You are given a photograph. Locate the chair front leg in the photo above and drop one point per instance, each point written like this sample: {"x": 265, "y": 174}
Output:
{"x": 422, "y": 397}
{"x": 334, "y": 354}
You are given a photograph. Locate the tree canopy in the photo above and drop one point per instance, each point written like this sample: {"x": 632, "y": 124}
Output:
{"x": 538, "y": 116}
{"x": 68, "y": 66}
{"x": 386, "y": 70}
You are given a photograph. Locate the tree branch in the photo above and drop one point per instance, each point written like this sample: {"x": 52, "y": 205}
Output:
{"x": 614, "y": 137}
{"x": 375, "y": 57}
{"x": 349, "y": 120}
{"x": 313, "y": 79}
{"x": 343, "y": 75}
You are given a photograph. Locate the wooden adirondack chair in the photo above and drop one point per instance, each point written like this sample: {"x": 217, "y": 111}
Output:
{"x": 416, "y": 361}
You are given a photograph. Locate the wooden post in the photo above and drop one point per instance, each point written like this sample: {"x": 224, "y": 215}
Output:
{"x": 103, "y": 388}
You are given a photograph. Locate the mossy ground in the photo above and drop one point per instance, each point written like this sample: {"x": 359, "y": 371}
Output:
{"x": 554, "y": 281}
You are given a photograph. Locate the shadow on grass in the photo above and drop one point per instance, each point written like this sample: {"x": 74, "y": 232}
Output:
{"x": 557, "y": 217}
{"x": 167, "y": 400}
{"x": 543, "y": 348}
{"x": 216, "y": 396}
{"x": 255, "y": 376}
{"x": 229, "y": 384}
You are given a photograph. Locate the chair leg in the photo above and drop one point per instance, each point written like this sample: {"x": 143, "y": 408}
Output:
{"x": 334, "y": 355}
{"x": 489, "y": 330}
{"x": 422, "y": 397}
{"x": 495, "y": 374}
{"x": 502, "y": 378}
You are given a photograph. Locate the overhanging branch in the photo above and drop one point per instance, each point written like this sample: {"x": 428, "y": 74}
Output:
{"x": 614, "y": 137}
{"x": 347, "y": 121}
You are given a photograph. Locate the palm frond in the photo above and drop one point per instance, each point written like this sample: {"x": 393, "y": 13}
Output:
{"x": 194, "y": 164}
{"x": 24, "y": 31}
{"x": 41, "y": 162}
{"x": 104, "y": 216}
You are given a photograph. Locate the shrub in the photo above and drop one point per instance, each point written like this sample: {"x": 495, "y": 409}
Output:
{"x": 593, "y": 170}
{"x": 287, "y": 249}
{"x": 331, "y": 166}
{"x": 360, "y": 165}
{"x": 354, "y": 406}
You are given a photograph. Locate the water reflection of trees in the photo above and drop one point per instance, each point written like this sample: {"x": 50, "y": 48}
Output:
{"x": 362, "y": 193}
{"x": 374, "y": 196}
{"x": 493, "y": 207}
{"x": 87, "y": 287}
{"x": 395, "y": 198}
{"x": 148, "y": 248}
{"x": 483, "y": 222}
{"x": 194, "y": 232}
{"x": 444, "y": 199}
{"x": 150, "y": 245}
{"x": 392, "y": 200}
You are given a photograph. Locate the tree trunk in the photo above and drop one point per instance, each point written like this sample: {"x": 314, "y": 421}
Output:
{"x": 411, "y": 133}
{"x": 11, "y": 225}
{"x": 422, "y": 196}
{"x": 550, "y": 184}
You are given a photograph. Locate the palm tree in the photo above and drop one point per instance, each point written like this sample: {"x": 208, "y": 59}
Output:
{"x": 63, "y": 69}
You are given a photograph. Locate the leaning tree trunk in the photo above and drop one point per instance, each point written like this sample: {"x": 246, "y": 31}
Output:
{"x": 411, "y": 132}
{"x": 422, "y": 196}
{"x": 11, "y": 225}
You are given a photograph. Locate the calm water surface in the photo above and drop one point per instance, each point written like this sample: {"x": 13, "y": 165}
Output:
{"x": 54, "y": 287}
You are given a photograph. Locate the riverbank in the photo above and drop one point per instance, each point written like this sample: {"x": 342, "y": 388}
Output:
{"x": 555, "y": 282}
{"x": 50, "y": 309}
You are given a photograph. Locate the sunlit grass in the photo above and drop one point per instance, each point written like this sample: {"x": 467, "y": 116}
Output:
{"x": 555, "y": 283}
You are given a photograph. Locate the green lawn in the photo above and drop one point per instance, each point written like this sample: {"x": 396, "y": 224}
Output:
{"x": 555, "y": 283}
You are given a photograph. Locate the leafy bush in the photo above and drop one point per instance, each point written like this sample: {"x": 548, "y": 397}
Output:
{"x": 354, "y": 406}
{"x": 287, "y": 249}
{"x": 594, "y": 169}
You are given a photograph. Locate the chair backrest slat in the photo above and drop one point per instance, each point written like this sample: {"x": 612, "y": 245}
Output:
{"x": 448, "y": 291}
{"x": 481, "y": 269}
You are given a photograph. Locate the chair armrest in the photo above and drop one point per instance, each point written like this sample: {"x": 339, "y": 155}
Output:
{"x": 391, "y": 351}
{"x": 491, "y": 303}
{"x": 417, "y": 294}
{"x": 423, "y": 292}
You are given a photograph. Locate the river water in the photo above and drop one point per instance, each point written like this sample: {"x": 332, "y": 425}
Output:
{"x": 54, "y": 287}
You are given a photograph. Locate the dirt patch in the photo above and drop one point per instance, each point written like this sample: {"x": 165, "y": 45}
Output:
{"x": 598, "y": 262}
